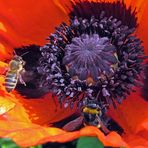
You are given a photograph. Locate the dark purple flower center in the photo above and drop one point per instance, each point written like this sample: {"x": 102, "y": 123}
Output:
{"x": 90, "y": 58}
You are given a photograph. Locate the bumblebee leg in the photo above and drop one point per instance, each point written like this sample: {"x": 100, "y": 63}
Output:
{"x": 21, "y": 80}
{"x": 102, "y": 126}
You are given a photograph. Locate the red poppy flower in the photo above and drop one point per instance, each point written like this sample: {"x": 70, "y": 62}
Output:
{"x": 32, "y": 112}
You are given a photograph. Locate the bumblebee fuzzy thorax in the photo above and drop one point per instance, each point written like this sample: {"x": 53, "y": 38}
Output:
{"x": 91, "y": 109}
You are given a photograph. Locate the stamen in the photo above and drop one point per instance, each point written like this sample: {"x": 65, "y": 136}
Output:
{"x": 91, "y": 59}
{"x": 117, "y": 9}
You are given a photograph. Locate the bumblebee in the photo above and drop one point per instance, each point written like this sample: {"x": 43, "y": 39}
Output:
{"x": 92, "y": 115}
{"x": 14, "y": 73}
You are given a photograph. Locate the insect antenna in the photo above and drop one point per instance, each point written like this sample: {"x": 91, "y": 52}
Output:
{"x": 14, "y": 52}
{"x": 24, "y": 53}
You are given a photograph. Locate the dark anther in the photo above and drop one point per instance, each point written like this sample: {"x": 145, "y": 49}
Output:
{"x": 117, "y": 10}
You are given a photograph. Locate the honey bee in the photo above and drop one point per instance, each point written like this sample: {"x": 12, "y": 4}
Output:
{"x": 16, "y": 67}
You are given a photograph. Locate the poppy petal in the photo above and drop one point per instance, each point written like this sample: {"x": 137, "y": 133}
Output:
{"x": 39, "y": 110}
{"x": 19, "y": 126}
{"x": 3, "y": 68}
{"x": 14, "y": 32}
{"x": 16, "y": 21}
{"x": 143, "y": 125}
{"x": 133, "y": 105}
{"x": 5, "y": 105}
{"x": 142, "y": 29}
{"x": 19, "y": 132}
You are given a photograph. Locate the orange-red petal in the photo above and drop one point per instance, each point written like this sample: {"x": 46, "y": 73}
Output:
{"x": 20, "y": 131}
{"x": 130, "y": 115}
{"x": 142, "y": 29}
{"x": 45, "y": 110}
{"x": 5, "y": 105}
{"x": 27, "y": 22}
{"x": 30, "y": 22}
{"x": 131, "y": 112}
{"x": 19, "y": 27}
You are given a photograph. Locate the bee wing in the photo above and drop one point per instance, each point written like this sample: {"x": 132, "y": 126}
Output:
{"x": 74, "y": 124}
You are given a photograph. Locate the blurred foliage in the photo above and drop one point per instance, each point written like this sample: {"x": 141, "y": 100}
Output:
{"x": 89, "y": 142}
{"x": 7, "y": 143}
{"x": 83, "y": 142}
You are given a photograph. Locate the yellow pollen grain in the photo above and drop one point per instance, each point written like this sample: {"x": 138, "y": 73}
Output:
{"x": 2, "y": 27}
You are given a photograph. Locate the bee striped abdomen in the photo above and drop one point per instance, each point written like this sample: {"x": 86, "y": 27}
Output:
{"x": 10, "y": 81}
